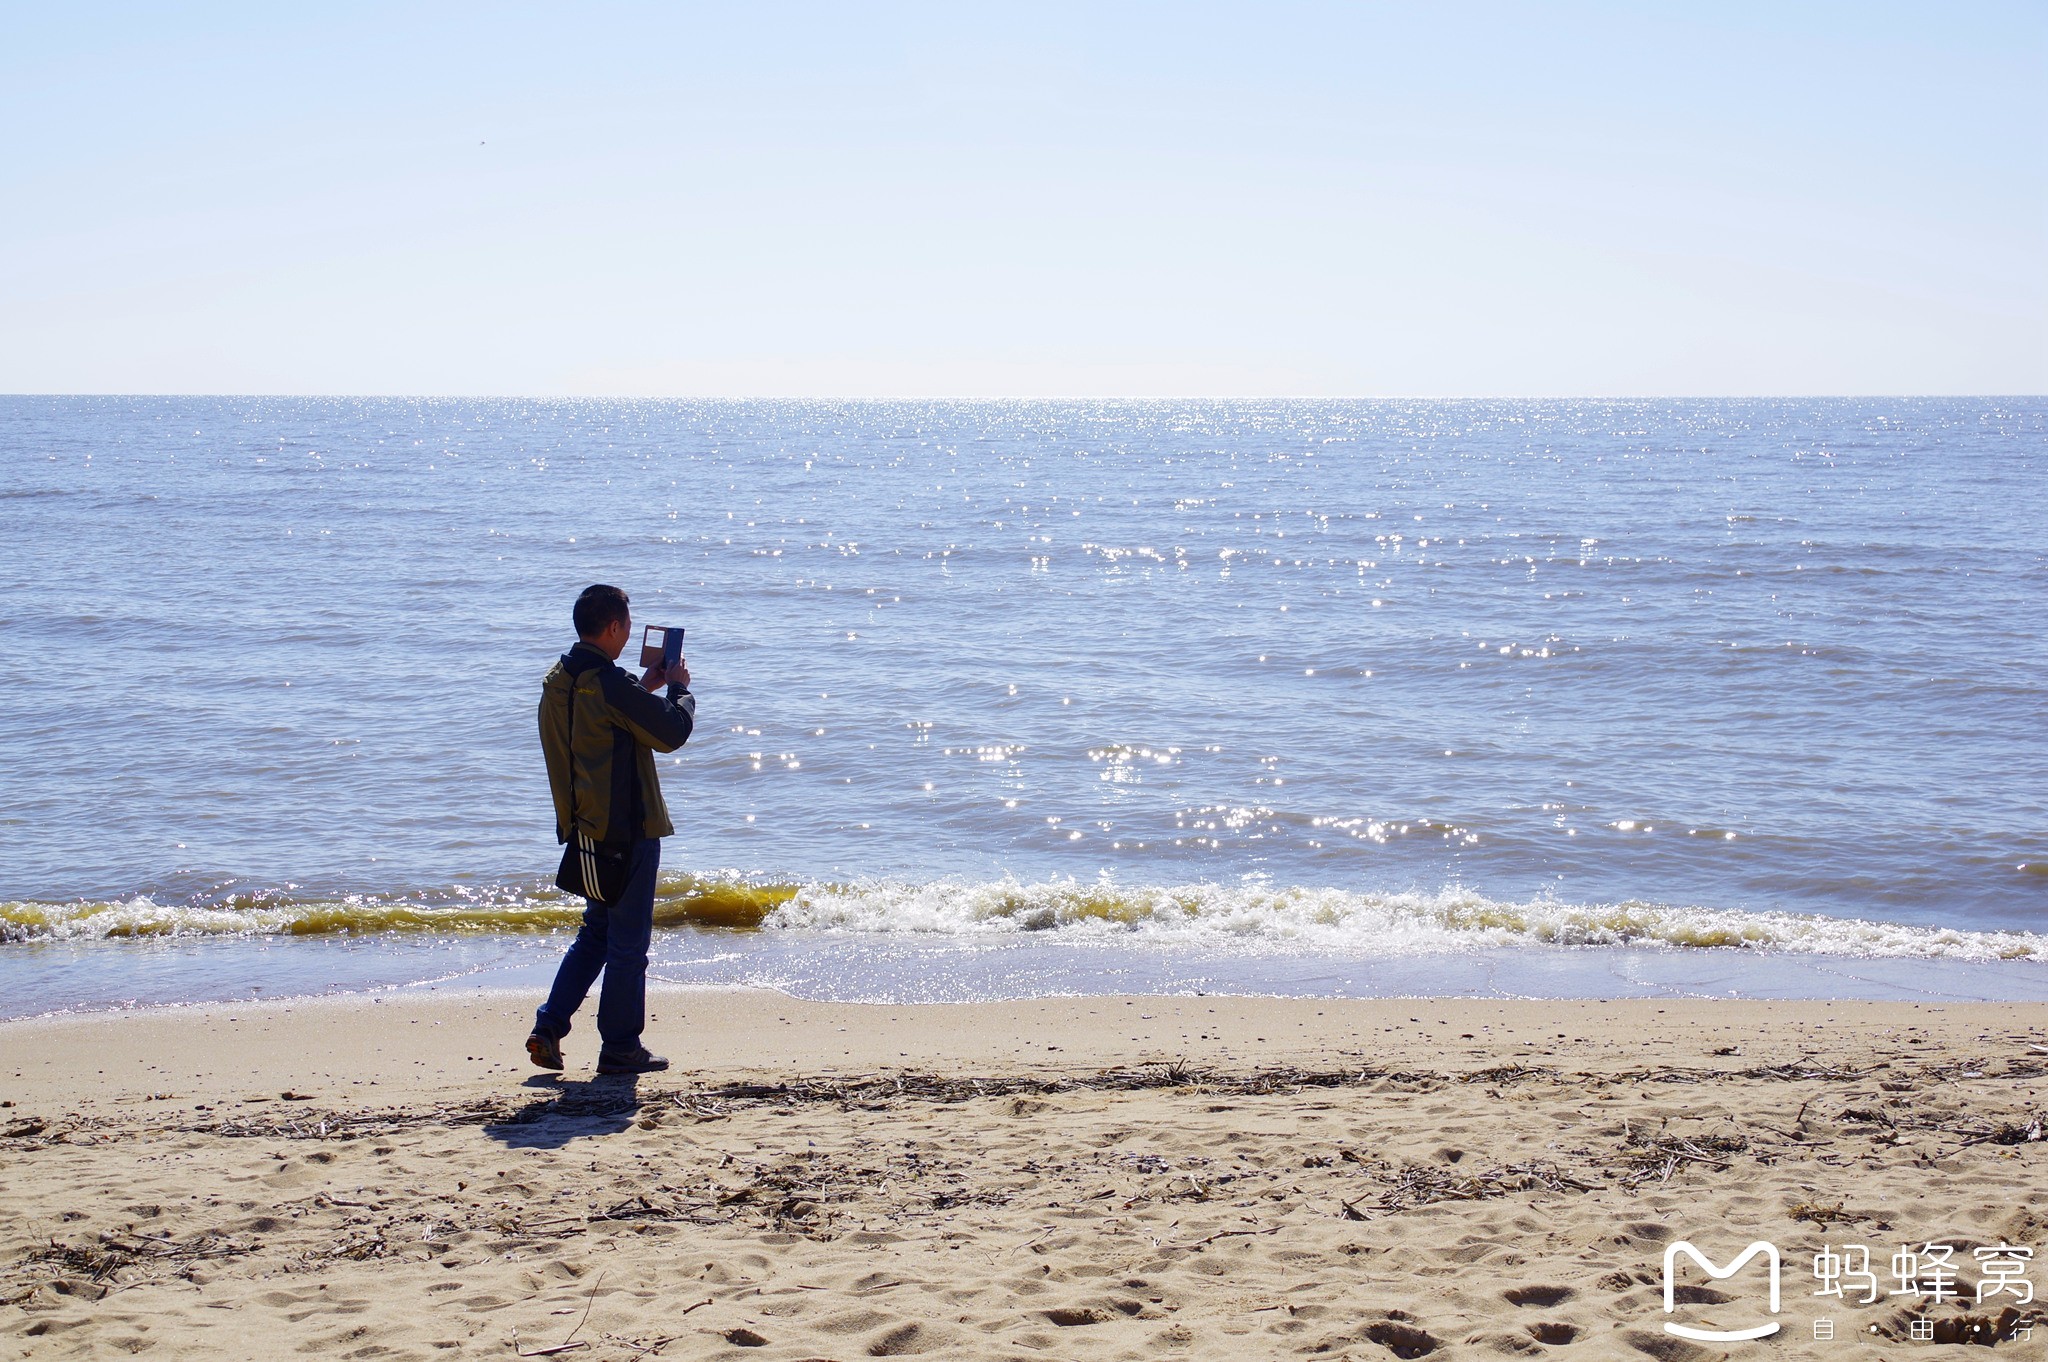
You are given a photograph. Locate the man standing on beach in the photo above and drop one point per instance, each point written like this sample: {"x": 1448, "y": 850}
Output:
{"x": 599, "y": 730}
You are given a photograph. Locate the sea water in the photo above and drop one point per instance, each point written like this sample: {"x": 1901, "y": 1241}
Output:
{"x": 1012, "y": 698}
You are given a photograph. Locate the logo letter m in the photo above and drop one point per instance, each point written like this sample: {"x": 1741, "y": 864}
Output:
{"x": 1770, "y": 1254}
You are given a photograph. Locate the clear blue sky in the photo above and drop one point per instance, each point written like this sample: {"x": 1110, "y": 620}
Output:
{"x": 964, "y": 198}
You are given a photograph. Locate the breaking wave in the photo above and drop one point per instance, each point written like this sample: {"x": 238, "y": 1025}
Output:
{"x": 1342, "y": 921}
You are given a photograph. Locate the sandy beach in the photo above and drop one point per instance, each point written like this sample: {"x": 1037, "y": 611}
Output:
{"x": 1073, "y": 1178}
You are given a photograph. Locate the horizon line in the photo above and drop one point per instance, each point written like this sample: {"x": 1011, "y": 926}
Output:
{"x": 1067, "y": 397}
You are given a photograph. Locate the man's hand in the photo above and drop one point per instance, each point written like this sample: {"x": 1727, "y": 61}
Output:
{"x": 657, "y": 676}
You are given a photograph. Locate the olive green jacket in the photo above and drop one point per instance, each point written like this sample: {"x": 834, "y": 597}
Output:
{"x": 604, "y": 770}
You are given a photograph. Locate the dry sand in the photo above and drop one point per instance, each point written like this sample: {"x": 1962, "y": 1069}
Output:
{"x": 1084, "y": 1178}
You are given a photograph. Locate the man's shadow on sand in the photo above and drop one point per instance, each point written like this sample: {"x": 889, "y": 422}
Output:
{"x": 562, "y": 1110}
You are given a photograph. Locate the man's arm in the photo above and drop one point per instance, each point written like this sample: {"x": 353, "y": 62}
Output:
{"x": 663, "y": 725}
{"x": 554, "y": 744}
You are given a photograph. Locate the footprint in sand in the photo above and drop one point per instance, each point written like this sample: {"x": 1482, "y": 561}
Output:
{"x": 908, "y": 1339}
{"x": 1402, "y": 1340}
{"x": 1539, "y": 1295}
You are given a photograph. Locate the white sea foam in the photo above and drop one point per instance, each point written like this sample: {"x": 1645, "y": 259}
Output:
{"x": 1353, "y": 922}
{"x": 1254, "y": 915}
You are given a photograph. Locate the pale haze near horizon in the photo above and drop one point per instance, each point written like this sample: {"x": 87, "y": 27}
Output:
{"x": 1200, "y": 200}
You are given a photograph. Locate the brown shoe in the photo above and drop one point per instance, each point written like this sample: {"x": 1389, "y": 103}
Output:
{"x": 639, "y": 1062}
{"x": 544, "y": 1051}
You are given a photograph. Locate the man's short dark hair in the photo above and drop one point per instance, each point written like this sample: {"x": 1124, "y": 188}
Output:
{"x": 598, "y": 608}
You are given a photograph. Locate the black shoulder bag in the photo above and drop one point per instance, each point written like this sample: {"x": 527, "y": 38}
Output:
{"x": 595, "y": 870}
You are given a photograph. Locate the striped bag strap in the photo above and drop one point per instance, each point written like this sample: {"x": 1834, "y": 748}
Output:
{"x": 575, "y": 829}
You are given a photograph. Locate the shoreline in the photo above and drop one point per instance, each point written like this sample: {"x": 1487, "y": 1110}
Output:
{"x": 126, "y": 976}
{"x": 1087, "y": 1177}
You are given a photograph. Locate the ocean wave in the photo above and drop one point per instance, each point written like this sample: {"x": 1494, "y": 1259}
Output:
{"x": 682, "y": 901}
{"x": 1367, "y": 923}
{"x": 1245, "y": 916}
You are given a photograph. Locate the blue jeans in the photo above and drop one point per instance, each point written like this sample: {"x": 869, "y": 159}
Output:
{"x": 613, "y": 940}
